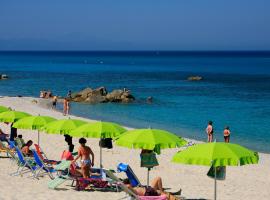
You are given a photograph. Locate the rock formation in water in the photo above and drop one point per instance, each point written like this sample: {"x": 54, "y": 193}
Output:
{"x": 195, "y": 78}
{"x": 100, "y": 95}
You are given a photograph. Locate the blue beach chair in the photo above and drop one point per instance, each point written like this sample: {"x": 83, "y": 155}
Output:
{"x": 42, "y": 167}
{"x": 134, "y": 181}
{"x": 24, "y": 164}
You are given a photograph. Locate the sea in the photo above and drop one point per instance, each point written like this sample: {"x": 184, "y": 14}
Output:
{"x": 234, "y": 92}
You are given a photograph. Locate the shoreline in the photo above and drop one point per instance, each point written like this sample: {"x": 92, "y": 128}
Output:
{"x": 245, "y": 182}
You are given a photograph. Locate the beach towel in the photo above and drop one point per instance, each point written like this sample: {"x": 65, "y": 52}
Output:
{"x": 220, "y": 175}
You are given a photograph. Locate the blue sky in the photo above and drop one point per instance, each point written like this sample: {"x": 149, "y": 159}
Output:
{"x": 134, "y": 25}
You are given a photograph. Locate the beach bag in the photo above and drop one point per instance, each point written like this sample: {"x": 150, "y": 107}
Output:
{"x": 106, "y": 143}
{"x": 149, "y": 160}
{"x": 221, "y": 173}
{"x": 66, "y": 155}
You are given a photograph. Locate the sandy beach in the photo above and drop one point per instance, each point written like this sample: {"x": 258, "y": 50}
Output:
{"x": 245, "y": 182}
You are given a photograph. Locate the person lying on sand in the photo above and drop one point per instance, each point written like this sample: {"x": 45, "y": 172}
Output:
{"x": 156, "y": 189}
{"x": 84, "y": 153}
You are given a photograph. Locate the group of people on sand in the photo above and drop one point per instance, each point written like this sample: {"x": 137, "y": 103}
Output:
{"x": 66, "y": 104}
{"x": 210, "y": 133}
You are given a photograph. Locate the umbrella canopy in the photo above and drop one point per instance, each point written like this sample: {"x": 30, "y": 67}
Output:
{"x": 150, "y": 139}
{"x": 98, "y": 130}
{"x": 12, "y": 116}
{"x": 216, "y": 154}
{"x": 3, "y": 109}
{"x": 63, "y": 126}
{"x": 33, "y": 122}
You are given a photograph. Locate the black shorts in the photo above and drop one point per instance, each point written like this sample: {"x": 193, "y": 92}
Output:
{"x": 54, "y": 103}
{"x": 225, "y": 137}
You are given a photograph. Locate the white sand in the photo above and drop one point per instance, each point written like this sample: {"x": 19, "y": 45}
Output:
{"x": 246, "y": 182}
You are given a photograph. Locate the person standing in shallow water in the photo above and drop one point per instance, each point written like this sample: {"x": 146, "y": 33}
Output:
{"x": 227, "y": 134}
{"x": 210, "y": 131}
{"x": 66, "y": 106}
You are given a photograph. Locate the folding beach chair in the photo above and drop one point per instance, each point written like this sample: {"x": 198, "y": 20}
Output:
{"x": 9, "y": 153}
{"x": 42, "y": 167}
{"x": 3, "y": 148}
{"x": 129, "y": 193}
{"x": 24, "y": 164}
{"x": 43, "y": 156}
{"x": 134, "y": 181}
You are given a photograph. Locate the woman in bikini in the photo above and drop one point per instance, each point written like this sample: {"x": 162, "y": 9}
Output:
{"x": 227, "y": 134}
{"x": 156, "y": 189}
{"x": 210, "y": 131}
{"x": 84, "y": 153}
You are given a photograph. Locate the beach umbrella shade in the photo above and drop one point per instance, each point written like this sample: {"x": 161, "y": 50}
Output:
{"x": 216, "y": 154}
{"x": 63, "y": 126}
{"x": 3, "y": 109}
{"x": 98, "y": 130}
{"x": 150, "y": 139}
{"x": 12, "y": 116}
{"x": 33, "y": 123}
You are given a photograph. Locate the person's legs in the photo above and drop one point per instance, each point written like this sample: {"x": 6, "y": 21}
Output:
{"x": 210, "y": 137}
{"x": 85, "y": 170}
{"x": 157, "y": 184}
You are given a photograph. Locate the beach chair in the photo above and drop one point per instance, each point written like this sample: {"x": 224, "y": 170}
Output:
{"x": 42, "y": 167}
{"x": 43, "y": 156}
{"x": 134, "y": 181}
{"x": 9, "y": 152}
{"x": 129, "y": 193}
{"x": 25, "y": 165}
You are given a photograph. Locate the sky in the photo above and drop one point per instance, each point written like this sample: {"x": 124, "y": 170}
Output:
{"x": 134, "y": 25}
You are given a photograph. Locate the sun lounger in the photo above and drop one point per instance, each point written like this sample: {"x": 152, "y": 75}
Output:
{"x": 134, "y": 181}
{"x": 42, "y": 167}
{"x": 43, "y": 156}
{"x": 9, "y": 152}
{"x": 130, "y": 194}
{"x": 24, "y": 164}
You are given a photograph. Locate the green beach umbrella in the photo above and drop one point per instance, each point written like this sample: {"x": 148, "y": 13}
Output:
{"x": 98, "y": 130}
{"x": 12, "y": 116}
{"x": 33, "y": 123}
{"x": 150, "y": 139}
{"x": 3, "y": 109}
{"x": 216, "y": 154}
{"x": 63, "y": 126}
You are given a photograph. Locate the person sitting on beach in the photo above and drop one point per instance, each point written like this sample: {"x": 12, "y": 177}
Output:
{"x": 156, "y": 189}
{"x": 19, "y": 141}
{"x": 84, "y": 153}
{"x": 3, "y": 136}
{"x": 26, "y": 149}
{"x": 227, "y": 134}
{"x": 210, "y": 131}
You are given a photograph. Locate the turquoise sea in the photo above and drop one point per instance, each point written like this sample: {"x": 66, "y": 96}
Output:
{"x": 235, "y": 90}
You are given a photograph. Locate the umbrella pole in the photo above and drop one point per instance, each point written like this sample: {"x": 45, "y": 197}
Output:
{"x": 38, "y": 137}
{"x": 215, "y": 196}
{"x": 100, "y": 154}
{"x": 148, "y": 172}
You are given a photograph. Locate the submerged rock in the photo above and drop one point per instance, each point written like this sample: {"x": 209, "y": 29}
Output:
{"x": 195, "y": 78}
{"x": 3, "y": 76}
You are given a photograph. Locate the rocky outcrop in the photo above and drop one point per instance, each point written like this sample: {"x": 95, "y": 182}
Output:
{"x": 195, "y": 78}
{"x": 100, "y": 95}
{"x": 3, "y": 76}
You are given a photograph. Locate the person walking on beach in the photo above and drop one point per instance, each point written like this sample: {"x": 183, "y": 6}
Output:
{"x": 227, "y": 134}
{"x": 84, "y": 153}
{"x": 66, "y": 106}
{"x": 210, "y": 131}
{"x": 54, "y": 102}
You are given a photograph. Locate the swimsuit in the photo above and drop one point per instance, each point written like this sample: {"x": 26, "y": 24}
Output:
{"x": 86, "y": 162}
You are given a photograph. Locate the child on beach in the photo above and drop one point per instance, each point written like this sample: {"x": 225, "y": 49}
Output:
{"x": 84, "y": 153}
{"x": 210, "y": 131}
{"x": 227, "y": 134}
